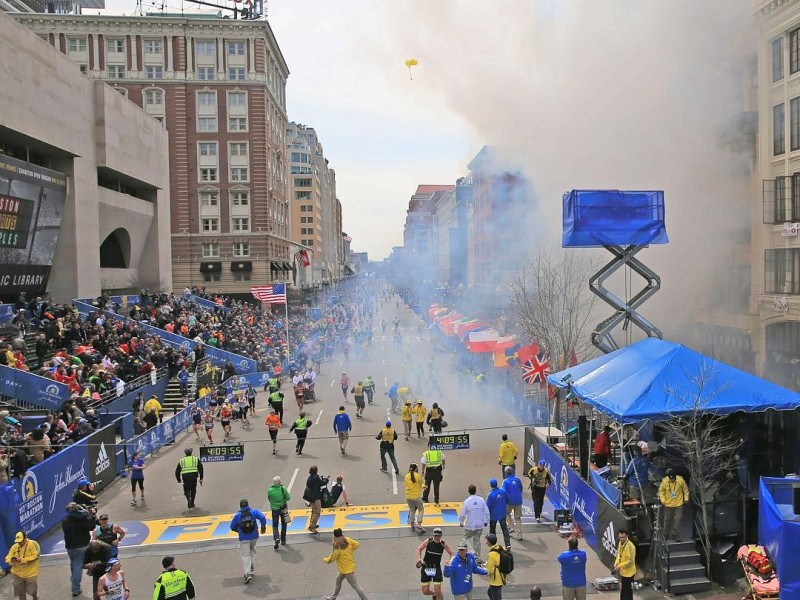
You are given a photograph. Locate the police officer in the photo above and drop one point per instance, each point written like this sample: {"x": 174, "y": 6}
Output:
{"x": 432, "y": 469}
{"x": 300, "y": 428}
{"x": 190, "y": 470}
{"x": 387, "y": 436}
{"x": 276, "y": 402}
{"x": 273, "y": 384}
{"x": 173, "y": 583}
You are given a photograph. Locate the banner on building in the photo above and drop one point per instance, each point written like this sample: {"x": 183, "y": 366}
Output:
{"x": 31, "y": 208}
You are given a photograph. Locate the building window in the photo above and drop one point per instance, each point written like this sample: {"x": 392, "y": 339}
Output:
{"x": 116, "y": 71}
{"x": 777, "y": 59}
{"x": 116, "y": 46}
{"x": 310, "y": 231}
{"x": 302, "y": 219}
{"x": 310, "y": 219}
{"x": 209, "y": 199}
{"x": 778, "y": 130}
{"x": 241, "y": 276}
{"x": 238, "y": 149}
{"x": 301, "y": 157}
{"x": 240, "y": 198}
{"x": 208, "y": 174}
{"x": 302, "y": 182}
{"x": 782, "y": 271}
{"x": 153, "y": 47}
{"x": 77, "y": 44}
{"x": 237, "y": 123}
{"x": 236, "y": 48}
{"x": 239, "y": 174}
{"x": 210, "y": 277}
{"x": 84, "y": 69}
{"x": 153, "y": 97}
{"x": 794, "y": 123}
{"x": 241, "y": 249}
{"x": 206, "y": 73}
{"x": 206, "y": 98}
{"x": 236, "y": 73}
{"x": 210, "y": 225}
{"x": 302, "y": 195}
{"x": 240, "y": 224}
{"x": 206, "y": 123}
{"x": 794, "y": 51}
{"x": 153, "y": 72}
{"x": 206, "y": 48}
{"x": 208, "y": 148}
{"x": 210, "y": 250}
{"x": 237, "y": 99}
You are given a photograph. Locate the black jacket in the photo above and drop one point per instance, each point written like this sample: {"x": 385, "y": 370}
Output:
{"x": 313, "y": 485}
{"x": 77, "y": 528}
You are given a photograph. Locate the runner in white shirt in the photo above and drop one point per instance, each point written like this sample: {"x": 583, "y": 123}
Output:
{"x": 112, "y": 585}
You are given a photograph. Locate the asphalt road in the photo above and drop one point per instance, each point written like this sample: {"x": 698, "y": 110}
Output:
{"x": 387, "y": 555}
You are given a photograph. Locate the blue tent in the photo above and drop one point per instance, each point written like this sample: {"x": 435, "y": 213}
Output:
{"x": 655, "y": 379}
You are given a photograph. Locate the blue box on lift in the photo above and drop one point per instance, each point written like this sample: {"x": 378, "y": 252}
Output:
{"x": 596, "y": 218}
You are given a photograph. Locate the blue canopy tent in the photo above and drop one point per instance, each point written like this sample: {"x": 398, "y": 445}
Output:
{"x": 656, "y": 379}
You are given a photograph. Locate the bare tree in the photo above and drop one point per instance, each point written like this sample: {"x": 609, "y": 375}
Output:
{"x": 553, "y": 305}
{"x": 703, "y": 439}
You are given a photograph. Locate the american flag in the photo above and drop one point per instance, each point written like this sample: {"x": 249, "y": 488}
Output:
{"x": 536, "y": 369}
{"x": 275, "y": 293}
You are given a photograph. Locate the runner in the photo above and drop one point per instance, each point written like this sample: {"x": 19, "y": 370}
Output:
{"x": 243, "y": 405}
{"x": 197, "y": 420}
{"x": 273, "y": 423}
{"x": 251, "y": 398}
{"x": 344, "y": 381}
{"x": 225, "y": 414}
{"x": 430, "y": 563}
{"x": 208, "y": 425}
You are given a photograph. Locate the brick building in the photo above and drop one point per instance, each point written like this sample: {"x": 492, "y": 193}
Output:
{"x": 218, "y": 87}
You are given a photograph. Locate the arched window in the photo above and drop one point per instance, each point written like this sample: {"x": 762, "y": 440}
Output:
{"x": 115, "y": 251}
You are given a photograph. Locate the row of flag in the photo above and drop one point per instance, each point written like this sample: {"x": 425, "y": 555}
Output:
{"x": 507, "y": 352}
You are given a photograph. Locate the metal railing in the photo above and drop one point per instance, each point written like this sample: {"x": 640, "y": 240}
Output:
{"x": 130, "y": 386}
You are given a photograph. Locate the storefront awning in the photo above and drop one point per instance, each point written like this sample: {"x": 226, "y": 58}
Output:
{"x": 275, "y": 266}
{"x": 211, "y": 267}
{"x": 242, "y": 266}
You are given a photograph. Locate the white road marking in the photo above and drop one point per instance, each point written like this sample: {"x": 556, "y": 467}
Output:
{"x": 291, "y": 481}
{"x": 332, "y": 382}
{"x": 319, "y": 416}
{"x": 385, "y": 382}
{"x": 394, "y": 482}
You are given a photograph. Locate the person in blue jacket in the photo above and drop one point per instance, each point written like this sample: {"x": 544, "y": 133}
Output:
{"x": 573, "y": 571}
{"x": 460, "y": 570}
{"x": 247, "y": 523}
{"x": 497, "y": 502}
{"x": 393, "y": 395}
{"x": 342, "y": 426}
{"x": 513, "y": 487}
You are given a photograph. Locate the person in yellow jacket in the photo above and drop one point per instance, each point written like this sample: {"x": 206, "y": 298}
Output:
{"x": 407, "y": 415}
{"x": 342, "y": 555}
{"x": 496, "y": 579}
{"x": 507, "y": 455}
{"x": 673, "y": 493}
{"x": 416, "y": 508}
{"x": 625, "y": 565}
{"x": 153, "y": 404}
{"x": 24, "y": 560}
{"x": 419, "y": 412}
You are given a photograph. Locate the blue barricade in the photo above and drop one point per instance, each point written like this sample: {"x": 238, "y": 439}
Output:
{"x": 35, "y": 389}
{"x": 208, "y": 304}
{"x": 164, "y": 433}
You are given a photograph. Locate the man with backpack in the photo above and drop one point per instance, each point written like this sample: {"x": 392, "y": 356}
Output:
{"x": 246, "y": 524}
{"x": 499, "y": 564}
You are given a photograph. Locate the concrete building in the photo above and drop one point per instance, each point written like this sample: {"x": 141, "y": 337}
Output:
{"x": 218, "y": 87}
{"x": 113, "y": 232}
{"x": 315, "y": 210}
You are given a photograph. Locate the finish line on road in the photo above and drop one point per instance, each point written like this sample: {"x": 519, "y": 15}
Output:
{"x": 217, "y": 527}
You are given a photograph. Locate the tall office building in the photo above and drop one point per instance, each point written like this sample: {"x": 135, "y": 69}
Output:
{"x": 218, "y": 87}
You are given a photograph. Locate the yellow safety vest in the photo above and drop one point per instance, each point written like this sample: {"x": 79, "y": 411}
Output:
{"x": 275, "y": 397}
{"x": 173, "y": 582}
{"x": 188, "y": 465}
{"x": 302, "y": 424}
{"x": 387, "y": 435}
{"x": 433, "y": 458}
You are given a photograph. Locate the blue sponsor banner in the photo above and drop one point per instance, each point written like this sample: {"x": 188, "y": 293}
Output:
{"x": 604, "y": 487}
{"x": 164, "y": 433}
{"x": 6, "y": 313}
{"x": 572, "y": 493}
{"x": 258, "y": 380}
{"x": 208, "y": 304}
{"x": 46, "y": 488}
{"x": 240, "y": 363}
{"x": 31, "y": 388}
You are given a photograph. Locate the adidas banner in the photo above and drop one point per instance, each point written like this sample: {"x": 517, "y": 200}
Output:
{"x": 609, "y": 522}
{"x": 102, "y": 456}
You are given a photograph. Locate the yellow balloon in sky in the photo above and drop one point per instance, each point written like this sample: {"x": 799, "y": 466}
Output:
{"x": 411, "y": 62}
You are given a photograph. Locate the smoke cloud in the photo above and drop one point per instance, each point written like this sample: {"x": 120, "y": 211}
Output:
{"x": 615, "y": 94}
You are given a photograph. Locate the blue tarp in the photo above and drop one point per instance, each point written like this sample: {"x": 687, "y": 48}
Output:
{"x": 779, "y": 532}
{"x": 657, "y": 379}
{"x": 593, "y": 218}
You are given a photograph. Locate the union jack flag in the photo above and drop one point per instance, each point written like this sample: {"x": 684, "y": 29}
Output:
{"x": 275, "y": 293}
{"x": 536, "y": 369}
